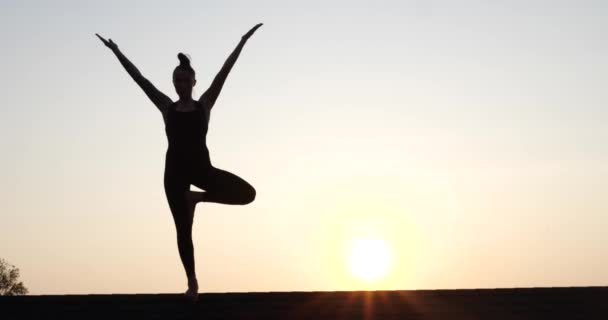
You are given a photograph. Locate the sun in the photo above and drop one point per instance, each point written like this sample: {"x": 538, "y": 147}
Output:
{"x": 370, "y": 258}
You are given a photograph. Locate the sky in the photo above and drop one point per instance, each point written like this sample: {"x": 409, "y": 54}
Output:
{"x": 468, "y": 136}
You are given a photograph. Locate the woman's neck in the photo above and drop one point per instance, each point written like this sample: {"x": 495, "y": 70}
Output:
{"x": 184, "y": 100}
{"x": 184, "y": 104}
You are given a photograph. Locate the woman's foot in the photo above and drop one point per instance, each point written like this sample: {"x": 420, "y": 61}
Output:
{"x": 192, "y": 198}
{"x": 192, "y": 292}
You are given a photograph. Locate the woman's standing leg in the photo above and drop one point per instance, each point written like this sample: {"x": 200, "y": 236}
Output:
{"x": 176, "y": 188}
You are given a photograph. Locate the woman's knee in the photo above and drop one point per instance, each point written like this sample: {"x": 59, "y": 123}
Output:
{"x": 183, "y": 231}
{"x": 184, "y": 237}
{"x": 249, "y": 194}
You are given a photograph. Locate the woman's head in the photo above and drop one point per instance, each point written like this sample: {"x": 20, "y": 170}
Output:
{"x": 184, "y": 77}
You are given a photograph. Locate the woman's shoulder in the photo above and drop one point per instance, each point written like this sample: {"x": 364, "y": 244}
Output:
{"x": 203, "y": 105}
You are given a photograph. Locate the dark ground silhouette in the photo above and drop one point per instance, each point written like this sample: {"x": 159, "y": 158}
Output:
{"x": 487, "y": 304}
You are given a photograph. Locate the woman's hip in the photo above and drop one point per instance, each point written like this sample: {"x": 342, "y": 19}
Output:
{"x": 184, "y": 173}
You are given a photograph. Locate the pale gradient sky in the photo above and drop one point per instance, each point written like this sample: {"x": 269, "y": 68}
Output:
{"x": 470, "y": 135}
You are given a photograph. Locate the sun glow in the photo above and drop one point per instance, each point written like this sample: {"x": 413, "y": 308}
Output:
{"x": 370, "y": 258}
{"x": 366, "y": 246}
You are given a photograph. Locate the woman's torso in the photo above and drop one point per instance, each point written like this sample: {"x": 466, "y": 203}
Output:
{"x": 187, "y": 135}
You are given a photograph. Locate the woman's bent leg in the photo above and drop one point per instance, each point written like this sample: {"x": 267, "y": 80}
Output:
{"x": 224, "y": 187}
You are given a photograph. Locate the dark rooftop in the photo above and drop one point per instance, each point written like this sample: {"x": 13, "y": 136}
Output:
{"x": 509, "y": 303}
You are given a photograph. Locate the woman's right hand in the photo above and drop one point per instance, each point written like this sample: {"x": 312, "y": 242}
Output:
{"x": 110, "y": 44}
{"x": 249, "y": 33}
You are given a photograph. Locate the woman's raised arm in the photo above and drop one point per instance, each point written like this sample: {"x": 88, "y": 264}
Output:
{"x": 210, "y": 96}
{"x": 160, "y": 100}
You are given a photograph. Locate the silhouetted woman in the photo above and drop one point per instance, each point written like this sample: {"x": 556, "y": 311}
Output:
{"x": 187, "y": 159}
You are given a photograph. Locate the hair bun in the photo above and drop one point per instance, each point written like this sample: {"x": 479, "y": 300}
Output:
{"x": 184, "y": 60}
